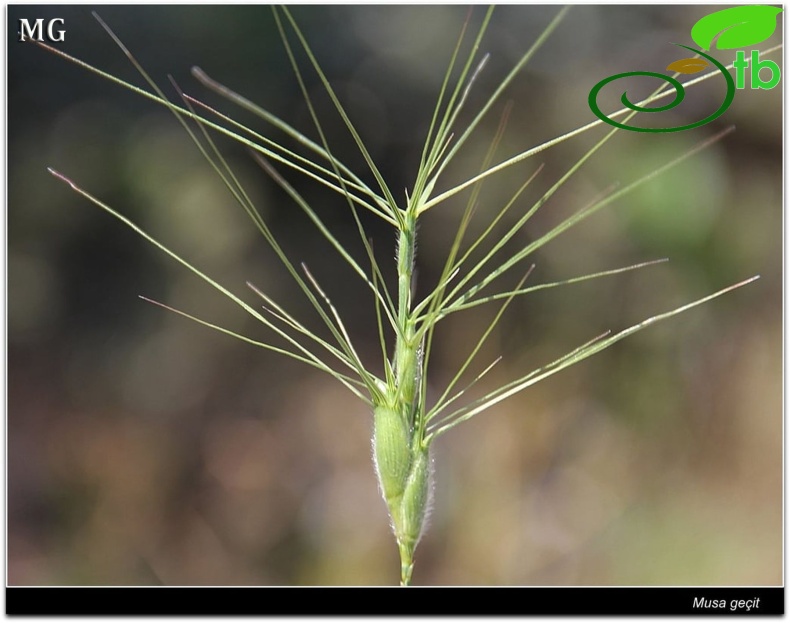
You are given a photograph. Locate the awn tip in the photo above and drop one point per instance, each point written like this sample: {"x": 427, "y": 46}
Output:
{"x": 62, "y": 177}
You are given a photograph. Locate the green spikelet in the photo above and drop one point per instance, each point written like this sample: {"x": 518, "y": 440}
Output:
{"x": 391, "y": 449}
{"x": 404, "y": 471}
{"x": 414, "y": 507}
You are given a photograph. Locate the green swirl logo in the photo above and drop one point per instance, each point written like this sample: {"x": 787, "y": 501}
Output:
{"x": 731, "y": 28}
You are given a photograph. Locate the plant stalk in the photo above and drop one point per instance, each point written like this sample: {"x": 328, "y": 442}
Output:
{"x": 402, "y": 457}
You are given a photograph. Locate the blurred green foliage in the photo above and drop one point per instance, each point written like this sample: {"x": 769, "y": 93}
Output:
{"x": 143, "y": 449}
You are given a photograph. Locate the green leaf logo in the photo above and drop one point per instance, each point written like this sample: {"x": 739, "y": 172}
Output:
{"x": 737, "y": 27}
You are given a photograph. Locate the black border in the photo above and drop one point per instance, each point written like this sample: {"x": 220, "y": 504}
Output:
{"x": 379, "y": 601}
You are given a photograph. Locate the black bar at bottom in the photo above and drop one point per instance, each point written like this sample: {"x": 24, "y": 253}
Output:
{"x": 381, "y": 601}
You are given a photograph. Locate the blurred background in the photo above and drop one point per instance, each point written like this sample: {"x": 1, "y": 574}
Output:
{"x": 145, "y": 449}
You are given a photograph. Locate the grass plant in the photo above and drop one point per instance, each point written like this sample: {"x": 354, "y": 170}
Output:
{"x": 406, "y": 423}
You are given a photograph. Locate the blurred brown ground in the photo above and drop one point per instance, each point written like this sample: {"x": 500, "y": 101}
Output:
{"x": 145, "y": 449}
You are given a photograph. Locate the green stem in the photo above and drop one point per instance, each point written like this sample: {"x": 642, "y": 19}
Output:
{"x": 403, "y": 461}
{"x": 406, "y": 565}
{"x": 407, "y": 244}
{"x": 406, "y": 363}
